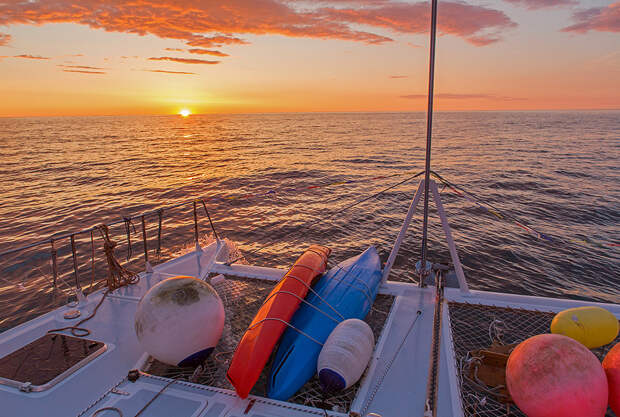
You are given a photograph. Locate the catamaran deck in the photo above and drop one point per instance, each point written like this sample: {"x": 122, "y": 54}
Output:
{"x": 395, "y": 383}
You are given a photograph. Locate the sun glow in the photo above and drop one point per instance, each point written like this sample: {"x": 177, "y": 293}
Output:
{"x": 185, "y": 112}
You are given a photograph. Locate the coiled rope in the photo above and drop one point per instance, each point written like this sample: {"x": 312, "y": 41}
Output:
{"x": 118, "y": 276}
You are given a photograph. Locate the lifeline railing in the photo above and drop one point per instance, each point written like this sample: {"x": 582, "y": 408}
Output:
{"x": 128, "y": 221}
{"x": 203, "y": 201}
{"x": 159, "y": 212}
{"x": 70, "y": 266}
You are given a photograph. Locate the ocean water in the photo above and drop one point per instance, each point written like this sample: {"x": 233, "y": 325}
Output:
{"x": 558, "y": 172}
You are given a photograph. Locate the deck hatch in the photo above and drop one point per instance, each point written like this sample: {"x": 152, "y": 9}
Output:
{"x": 46, "y": 361}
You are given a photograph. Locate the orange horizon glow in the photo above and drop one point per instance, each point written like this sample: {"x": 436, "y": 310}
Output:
{"x": 276, "y": 57}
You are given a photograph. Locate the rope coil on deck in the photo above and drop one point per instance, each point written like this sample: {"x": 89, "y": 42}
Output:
{"x": 118, "y": 276}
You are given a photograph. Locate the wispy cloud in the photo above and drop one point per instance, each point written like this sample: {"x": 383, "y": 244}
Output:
{"x": 476, "y": 24}
{"x": 206, "y": 52}
{"x": 83, "y": 71}
{"x": 5, "y": 38}
{"x": 184, "y": 60}
{"x": 398, "y": 76}
{"x": 212, "y": 24}
{"x": 171, "y": 72}
{"x": 84, "y": 67}
{"x": 458, "y": 96}
{"x": 541, "y": 4}
{"x": 601, "y": 19}
{"x": 175, "y": 49}
{"x": 26, "y": 56}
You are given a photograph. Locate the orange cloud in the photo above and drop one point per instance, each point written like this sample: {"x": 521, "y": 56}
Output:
{"x": 5, "y": 38}
{"x": 209, "y": 24}
{"x": 171, "y": 72}
{"x": 476, "y": 24}
{"x": 206, "y": 52}
{"x": 540, "y": 4}
{"x": 601, "y": 19}
{"x": 81, "y": 67}
{"x": 184, "y": 60}
{"x": 398, "y": 76}
{"x": 84, "y": 72}
{"x": 25, "y": 56}
{"x": 175, "y": 49}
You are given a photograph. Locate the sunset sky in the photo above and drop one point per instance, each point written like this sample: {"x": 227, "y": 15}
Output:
{"x": 156, "y": 57}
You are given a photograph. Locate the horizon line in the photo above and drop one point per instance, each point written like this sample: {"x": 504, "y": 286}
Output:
{"x": 314, "y": 112}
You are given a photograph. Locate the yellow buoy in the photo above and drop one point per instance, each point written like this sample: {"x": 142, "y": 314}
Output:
{"x": 591, "y": 326}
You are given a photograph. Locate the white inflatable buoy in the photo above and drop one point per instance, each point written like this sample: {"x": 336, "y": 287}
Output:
{"x": 345, "y": 355}
{"x": 179, "y": 321}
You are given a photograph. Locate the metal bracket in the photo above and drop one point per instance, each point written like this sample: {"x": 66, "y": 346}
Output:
{"x": 458, "y": 268}
{"x": 26, "y": 387}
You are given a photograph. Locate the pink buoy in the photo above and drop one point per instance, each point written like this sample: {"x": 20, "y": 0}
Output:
{"x": 611, "y": 365}
{"x": 551, "y": 375}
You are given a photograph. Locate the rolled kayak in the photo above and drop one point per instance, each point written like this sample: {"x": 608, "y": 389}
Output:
{"x": 347, "y": 291}
{"x": 263, "y": 334}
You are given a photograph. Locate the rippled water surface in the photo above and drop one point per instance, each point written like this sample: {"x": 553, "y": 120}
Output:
{"x": 558, "y": 172}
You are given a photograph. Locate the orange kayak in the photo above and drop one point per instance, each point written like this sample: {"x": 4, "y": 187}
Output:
{"x": 263, "y": 334}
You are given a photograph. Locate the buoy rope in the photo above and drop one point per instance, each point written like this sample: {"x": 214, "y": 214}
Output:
{"x": 366, "y": 291}
{"x": 317, "y": 295}
{"x": 301, "y": 300}
{"x": 289, "y": 325}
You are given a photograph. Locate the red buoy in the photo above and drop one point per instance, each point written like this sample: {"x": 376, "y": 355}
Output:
{"x": 611, "y": 365}
{"x": 551, "y": 375}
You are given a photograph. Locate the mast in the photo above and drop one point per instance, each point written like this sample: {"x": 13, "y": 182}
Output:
{"x": 429, "y": 128}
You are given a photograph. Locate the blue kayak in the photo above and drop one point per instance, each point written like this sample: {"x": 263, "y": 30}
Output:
{"x": 347, "y": 291}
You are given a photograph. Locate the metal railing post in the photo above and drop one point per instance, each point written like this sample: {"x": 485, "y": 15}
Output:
{"x": 458, "y": 268}
{"x": 401, "y": 235}
{"x": 147, "y": 265}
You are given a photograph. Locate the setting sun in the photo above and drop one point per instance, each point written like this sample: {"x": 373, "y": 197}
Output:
{"x": 185, "y": 112}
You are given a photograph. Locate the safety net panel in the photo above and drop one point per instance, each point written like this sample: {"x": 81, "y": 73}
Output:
{"x": 242, "y": 297}
{"x": 477, "y": 327}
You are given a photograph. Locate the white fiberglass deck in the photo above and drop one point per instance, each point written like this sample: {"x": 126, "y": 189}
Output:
{"x": 394, "y": 385}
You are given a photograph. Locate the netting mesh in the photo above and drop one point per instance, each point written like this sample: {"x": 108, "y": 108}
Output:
{"x": 476, "y": 326}
{"x": 242, "y": 297}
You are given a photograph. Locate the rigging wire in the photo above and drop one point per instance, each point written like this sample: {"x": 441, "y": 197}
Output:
{"x": 223, "y": 198}
{"x": 502, "y": 215}
{"x": 328, "y": 217}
